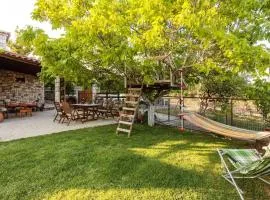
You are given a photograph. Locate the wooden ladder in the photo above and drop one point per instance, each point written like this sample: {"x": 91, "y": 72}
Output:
{"x": 127, "y": 118}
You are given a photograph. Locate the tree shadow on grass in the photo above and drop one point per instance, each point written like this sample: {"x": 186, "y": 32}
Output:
{"x": 95, "y": 160}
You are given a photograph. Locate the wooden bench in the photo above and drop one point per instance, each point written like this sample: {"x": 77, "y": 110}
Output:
{"x": 1, "y": 116}
{"x": 25, "y": 112}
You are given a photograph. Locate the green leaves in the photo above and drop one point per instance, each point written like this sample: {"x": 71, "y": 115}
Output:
{"x": 222, "y": 84}
{"x": 260, "y": 91}
{"x": 121, "y": 37}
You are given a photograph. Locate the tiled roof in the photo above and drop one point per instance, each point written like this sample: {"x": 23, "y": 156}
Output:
{"x": 20, "y": 58}
{"x": 19, "y": 63}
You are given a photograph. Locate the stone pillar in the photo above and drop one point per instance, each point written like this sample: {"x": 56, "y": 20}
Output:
{"x": 95, "y": 90}
{"x": 151, "y": 115}
{"x": 57, "y": 89}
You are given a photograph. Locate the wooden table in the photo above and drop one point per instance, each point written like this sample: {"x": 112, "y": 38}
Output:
{"x": 90, "y": 111}
{"x": 22, "y": 108}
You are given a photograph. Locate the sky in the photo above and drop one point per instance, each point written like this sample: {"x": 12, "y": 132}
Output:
{"x": 15, "y": 13}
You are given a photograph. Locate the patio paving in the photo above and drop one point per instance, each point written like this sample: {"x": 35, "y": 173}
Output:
{"x": 41, "y": 123}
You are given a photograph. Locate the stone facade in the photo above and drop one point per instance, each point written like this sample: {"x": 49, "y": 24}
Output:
{"x": 19, "y": 87}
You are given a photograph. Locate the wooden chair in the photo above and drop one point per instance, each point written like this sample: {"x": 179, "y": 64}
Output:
{"x": 117, "y": 107}
{"x": 3, "y": 108}
{"x": 69, "y": 113}
{"x": 106, "y": 109}
{"x": 59, "y": 112}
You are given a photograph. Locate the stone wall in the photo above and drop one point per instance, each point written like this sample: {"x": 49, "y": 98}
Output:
{"x": 19, "y": 87}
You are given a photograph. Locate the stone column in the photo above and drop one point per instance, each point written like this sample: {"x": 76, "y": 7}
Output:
{"x": 151, "y": 115}
{"x": 95, "y": 90}
{"x": 57, "y": 89}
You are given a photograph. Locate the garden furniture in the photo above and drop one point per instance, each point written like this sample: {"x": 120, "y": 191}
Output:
{"x": 117, "y": 107}
{"x": 106, "y": 109}
{"x": 25, "y": 111}
{"x": 68, "y": 113}
{"x": 1, "y": 116}
{"x": 59, "y": 112}
{"x": 246, "y": 163}
{"x": 3, "y": 109}
{"x": 89, "y": 111}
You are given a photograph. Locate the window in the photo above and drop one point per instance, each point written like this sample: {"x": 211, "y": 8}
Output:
{"x": 20, "y": 79}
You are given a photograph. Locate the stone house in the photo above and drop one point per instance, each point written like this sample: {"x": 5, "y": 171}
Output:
{"x": 19, "y": 82}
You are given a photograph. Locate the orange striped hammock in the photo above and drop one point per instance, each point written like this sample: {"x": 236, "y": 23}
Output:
{"x": 225, "y": 130}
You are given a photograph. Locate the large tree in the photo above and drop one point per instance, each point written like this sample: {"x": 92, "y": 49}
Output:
{"x": 105, "y": 38}
{"x": 260, "y": 91}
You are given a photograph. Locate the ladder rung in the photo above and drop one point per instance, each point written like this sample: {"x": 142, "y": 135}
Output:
{"x": 134, "y": 89}
{"x": 131, "y": 102}
{"x": 130, "y": 109}
{"x": 126, "y": 115}
{"x": 123, "y": 130}
{"x": 132, "y": 95}
{"x": 126, "y": 123}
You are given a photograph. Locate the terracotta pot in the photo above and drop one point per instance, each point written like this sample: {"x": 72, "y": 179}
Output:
{"x": 1, "y": 117}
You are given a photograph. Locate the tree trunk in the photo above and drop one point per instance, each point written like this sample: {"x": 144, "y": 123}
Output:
{"x": 151, "y": 115}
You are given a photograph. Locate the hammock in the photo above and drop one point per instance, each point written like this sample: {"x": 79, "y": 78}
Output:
{"x": 225, "y": 130}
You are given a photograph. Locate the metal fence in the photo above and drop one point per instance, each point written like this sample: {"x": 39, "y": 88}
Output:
{"x": 112, "y": 95}
{"x": 242, "y": 113}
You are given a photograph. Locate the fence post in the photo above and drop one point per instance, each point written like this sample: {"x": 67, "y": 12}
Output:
{"x": 151, "y": 114}
{"x": 232, "y": 112}
{"x": 184, "y": 111}
{"x": 169, "y": 109}
{"x": 226, "y": 117}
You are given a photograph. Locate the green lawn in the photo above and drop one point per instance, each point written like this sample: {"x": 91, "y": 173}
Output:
{"x": 94, "y": 163}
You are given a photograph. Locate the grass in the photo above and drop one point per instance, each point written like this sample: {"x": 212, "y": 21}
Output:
{"x": 94, "y": 163}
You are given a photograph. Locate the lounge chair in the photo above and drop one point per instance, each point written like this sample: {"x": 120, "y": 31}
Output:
{"x": 247, "y": 163}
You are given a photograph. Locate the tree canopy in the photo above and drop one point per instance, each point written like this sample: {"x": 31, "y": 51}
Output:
{"x": 260, "y": 91}
{"x": 117, "y": 38}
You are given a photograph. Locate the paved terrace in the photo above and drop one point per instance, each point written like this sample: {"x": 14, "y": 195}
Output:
{"x": 41, "y": 123}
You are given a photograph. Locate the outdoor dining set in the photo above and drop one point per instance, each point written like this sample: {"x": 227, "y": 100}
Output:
{"x": 66, "y": 112}
{"x": 18, "y": 109}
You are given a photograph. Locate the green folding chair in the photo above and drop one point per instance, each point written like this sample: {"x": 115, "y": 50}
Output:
{"x": 247, "y": 163}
